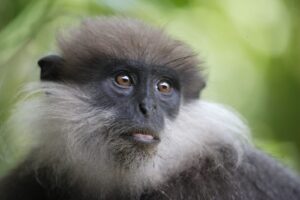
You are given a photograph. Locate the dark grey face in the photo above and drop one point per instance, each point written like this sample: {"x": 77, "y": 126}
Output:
{"x": 142, "y": 96}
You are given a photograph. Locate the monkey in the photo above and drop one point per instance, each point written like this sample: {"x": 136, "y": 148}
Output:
{"x": 117, "y": 115}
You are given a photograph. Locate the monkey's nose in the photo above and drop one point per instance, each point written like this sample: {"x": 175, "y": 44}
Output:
{"x": 143, "y": 108}
{"x": 147, "y": 108}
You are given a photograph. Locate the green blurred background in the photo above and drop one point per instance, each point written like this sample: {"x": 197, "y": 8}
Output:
{"x": 250, "y": 48}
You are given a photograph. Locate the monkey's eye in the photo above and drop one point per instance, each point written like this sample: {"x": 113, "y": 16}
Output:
{"x": 164, "y": 87}
{"x": 123, "y": 80}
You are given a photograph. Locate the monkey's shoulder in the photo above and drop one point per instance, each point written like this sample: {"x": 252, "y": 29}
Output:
{"x": 27, "y": 183}
{"x": 19, "y": 184}
{"x": 256, "y": 176}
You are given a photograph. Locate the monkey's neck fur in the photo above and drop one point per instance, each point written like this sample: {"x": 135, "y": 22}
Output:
{"x": 73, "y": 142}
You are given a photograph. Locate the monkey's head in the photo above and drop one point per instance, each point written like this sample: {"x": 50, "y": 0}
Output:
{"x": 115, "y": 85}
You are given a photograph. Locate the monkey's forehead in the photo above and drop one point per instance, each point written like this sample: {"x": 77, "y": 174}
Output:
{"x": 127, "y": 39}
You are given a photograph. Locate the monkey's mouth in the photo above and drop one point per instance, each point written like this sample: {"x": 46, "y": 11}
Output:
{"x": 142, "y": 136}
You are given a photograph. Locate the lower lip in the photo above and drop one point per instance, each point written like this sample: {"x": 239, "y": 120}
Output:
{"x": 142, "y": 138}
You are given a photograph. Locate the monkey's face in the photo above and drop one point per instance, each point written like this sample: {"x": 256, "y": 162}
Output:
{"x": 142, "y": 97}
{"x": 136, "y": 72}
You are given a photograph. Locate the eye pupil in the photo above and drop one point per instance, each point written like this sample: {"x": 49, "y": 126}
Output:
{"x": 123, "y": 80}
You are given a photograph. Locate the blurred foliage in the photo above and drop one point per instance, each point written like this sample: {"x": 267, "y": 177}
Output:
{"x": 251, "y": 51}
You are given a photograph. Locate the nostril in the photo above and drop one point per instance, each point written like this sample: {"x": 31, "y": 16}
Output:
{"x": 143, "y": 108}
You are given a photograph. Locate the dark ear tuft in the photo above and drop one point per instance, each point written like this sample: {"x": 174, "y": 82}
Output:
{"x": 50, "y": 67}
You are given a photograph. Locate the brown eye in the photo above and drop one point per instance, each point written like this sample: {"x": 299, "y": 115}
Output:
{"x": 123, "y": 80}
{"x": 164, "y": 87}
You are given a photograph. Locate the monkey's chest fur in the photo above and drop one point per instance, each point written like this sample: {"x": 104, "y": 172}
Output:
{"x": 204, "y": 180}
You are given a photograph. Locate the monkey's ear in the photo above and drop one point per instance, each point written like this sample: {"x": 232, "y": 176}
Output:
{"x": 50, "y": 67}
